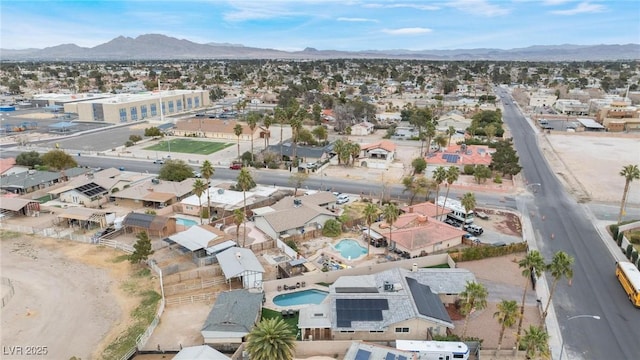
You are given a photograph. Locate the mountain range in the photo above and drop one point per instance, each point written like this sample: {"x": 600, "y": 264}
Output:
{"x": 161, "y": 47}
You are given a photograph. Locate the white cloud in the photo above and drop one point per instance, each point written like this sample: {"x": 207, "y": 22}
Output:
{"x": 556, "y": 2}
{"x": 396, "y": 6}
{"x": 582, "y": 8}
{"x": 348, "y": 19}
{"x": 478, "y": 7}
{"x": 407, "y": 31}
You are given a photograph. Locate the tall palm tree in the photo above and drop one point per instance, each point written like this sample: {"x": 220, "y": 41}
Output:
{"x": 354, "y": 151}
{"x": 238, "y": 219}
{"x": 469, "y": 202}
{"x": 245, "y": 183}
{"x": 237, "y": 130}
{"x": 452, "y": 175}
{"x": 391, "y": 213}
{"x": 370, "y": 213}
{"x": 473, "y": 297}
{"x": 561, "y": 266}
{"x": 439, "y": 176}
{"x": 536, "y": 342}
{"x": 199, "y": 188}
{"x": 266, "y": 122}
{"x": 338, "y": 148}
{"x": 296, "y": 126}
{"x": 271, "y": 339}
{"x": 252, "y": 121}
{"x": 207, "y": 172}
{"x": 533, "y": 263}
{"x": 507, "y": 315}
{"x": 429, "y": 133}
{"x": 450, "y": 132}
{"x": 630, "y": 173}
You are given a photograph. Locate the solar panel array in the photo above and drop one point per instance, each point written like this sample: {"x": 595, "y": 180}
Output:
{"x": 451, "y": 158}
{"x": 390, "y": 356}
{"x": 363, "y": 355}
{"x": 91, "y": 189}
{"x": 348, "y": 310}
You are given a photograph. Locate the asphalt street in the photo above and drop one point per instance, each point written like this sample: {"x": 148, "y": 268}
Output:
{"x": 561, "y": 224}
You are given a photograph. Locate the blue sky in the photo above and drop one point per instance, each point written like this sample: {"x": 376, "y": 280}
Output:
{"x": 325, "y": 24}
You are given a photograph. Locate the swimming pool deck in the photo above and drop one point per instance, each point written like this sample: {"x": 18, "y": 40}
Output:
{"x": 270, "y": 295}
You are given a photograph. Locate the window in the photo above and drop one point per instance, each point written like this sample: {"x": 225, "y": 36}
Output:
{"x": 347, "y": 331}
{"x": 134, "y": 113}
{"x": 402, "y": 329}
{"x": 196, "y": 101}
{"x": 123, "y": 115}
{"x": 458, "y": 356}
{"x": 171, "y": 106}
{"x": 179, "y": 104}
{"x": 143, "y": 111}
{"x": 189, "y": 103}
{"x": 154, "y": 111}
{"x": 375, "y": 331}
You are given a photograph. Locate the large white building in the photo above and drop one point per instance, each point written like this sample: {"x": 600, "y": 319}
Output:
{"x": 124, "y": 108}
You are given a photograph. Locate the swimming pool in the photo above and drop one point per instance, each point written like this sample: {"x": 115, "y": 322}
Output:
{"x": 303, "y": 297}
{"x": 186, "y": 222}
{"x": 350, "y": 249}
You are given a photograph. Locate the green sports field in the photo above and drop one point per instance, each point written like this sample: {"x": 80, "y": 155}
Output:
{"x": 189, "y": 146}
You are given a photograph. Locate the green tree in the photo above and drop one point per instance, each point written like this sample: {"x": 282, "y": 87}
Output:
{"x": 419, "y": 165}
{"x": 469, "y": 202}
{"x": 474, "y": 297}
{"x": 316, "y": 113}
{"x": 297, "y": 180}
{"x": 332, "y": 228}
{"x": 534, "y": 264}
{"x": 439, "y": 176}
{"x": 252, "y": 121}
{"x": 29, "y": 159}
{"x": 440, "y": 140}
{"x": 354, "y": 152}
{"x": 490, "y": 131}
{"x": 391, "y": 213}
{"x": 153, "y": 131}
{"x": 245, "y": 183}
{"x": 199, "y": 188}
{"x": 135, "y": 138}
{"x": 452, "y": 175}
{"x": 237, "y": 130}
{"x": 207, "y": 171}
{"x": 238, "y": 219}
{"x": 630, "y": 173}
{"x": 175, "y": 170}
{"x": 429, "y": 133}
{"x": 271, "y": 339}
{"x": 504, "y": 159}
{"x": 536, "y": 342}
{"x": 266, "y": 122}
{"x": 415, "y": 185}
{"x": 481, "y": 173}
{"x": 370, "y": 213}
{"x": 507, "y": 315}
{"x": 450, "y": 132}
{"x": 141, "y": 249}
{"x": 320, "y": 132}
{"x": 561, "y": 266}
{"x": 58, "y": 160}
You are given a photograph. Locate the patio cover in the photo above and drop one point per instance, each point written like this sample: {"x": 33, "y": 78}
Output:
{"x": 195, "y": 238}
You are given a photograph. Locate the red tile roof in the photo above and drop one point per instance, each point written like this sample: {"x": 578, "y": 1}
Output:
{"x": 387, "y": 145}
{"x": 475, "y": 155}
{"x": 426, "y": 208}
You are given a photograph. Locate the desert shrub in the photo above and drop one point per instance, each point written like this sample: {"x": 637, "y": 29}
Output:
{"x": 469, "y": 169}
{"x": 619, "y": 239}
{"x": 614, "y": 231}
{"x": 497, "y": 179}
{"x": 634, "y": 257}
{"x": 332, "y": 228}
{"x": 629, "y": 251}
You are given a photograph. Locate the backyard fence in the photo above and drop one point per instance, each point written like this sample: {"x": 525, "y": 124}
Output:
{"x": 190, "y": 299}
{"x": 6, "y": 297}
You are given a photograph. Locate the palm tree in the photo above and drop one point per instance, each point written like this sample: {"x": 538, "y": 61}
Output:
{"x": 238, "y": 219}
{"x": 536, "y": 342}
{"x": 207, "y": 172}
{"x": 561, "y": 266}
{"x": 450, "y": 132}
{"x": 391, "y": 213}
{"x": 199, "y": 188}
{"x": 473, "y": 297}
{"x": 416, "y": 185}
{"x": 296, "y": 126}
{"x": 429, "y": 132}
{"x": 439, "y": 176}
{"x": 245, "y": 182}
{"x": 354, "y": 151}
{"x": 630, "y": 173}
{"x": 452, "y": 175}
{"x": 238, "y": 131}
{"x": 469, "y": 202}
{"x": 252, "y": 121}
{"x": 271, "y": 339}
{"x": 266, "y": 122}
{"x": 370, "y": 213}
{"x": 507, "y": 314}
{"x": 338, "y": 148}
{"x": 533, "y": 263}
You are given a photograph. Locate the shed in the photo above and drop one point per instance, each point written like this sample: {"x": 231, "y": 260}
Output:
{"x": 154, "y": 225}
{"x": 15, "y": 206}
{"x": 232, "y": 317}
{"x": 202, "y": 352}
{"x": 241, "y": 263}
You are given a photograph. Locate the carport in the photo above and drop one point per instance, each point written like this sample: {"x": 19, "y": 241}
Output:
{"x": 62, "y": 127}
{"x": 84, "y": 218}
{"x": 15, "y": 206}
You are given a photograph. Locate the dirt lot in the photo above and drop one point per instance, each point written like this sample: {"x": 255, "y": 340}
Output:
{"x": 63, "y": 290}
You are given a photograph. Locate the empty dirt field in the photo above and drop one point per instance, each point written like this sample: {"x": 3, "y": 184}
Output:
{"x": 69, "y": 297}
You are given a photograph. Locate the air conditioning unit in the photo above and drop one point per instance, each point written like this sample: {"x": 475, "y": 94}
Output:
{"x": 388, "y": 286}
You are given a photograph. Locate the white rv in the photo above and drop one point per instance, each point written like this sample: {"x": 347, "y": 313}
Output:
{"x": 457, "y": 210}
{"x": 435, "y": 350}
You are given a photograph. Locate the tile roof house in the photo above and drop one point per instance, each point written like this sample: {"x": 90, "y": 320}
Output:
{"x": 460, "y": 155}
{"x": 417, "y": 235}
{"x": 214, "y": 128}
{"x": 232, "y": 317}
{"x": 386, "y": 306}
{"x": 295, "y": 215}
{"x": 427, "y": 209}
{"x": 378, "y": 155}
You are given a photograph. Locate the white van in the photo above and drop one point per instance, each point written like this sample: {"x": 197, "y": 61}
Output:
{"x": 342, "y": 199}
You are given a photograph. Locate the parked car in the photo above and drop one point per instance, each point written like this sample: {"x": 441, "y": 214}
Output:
{"x": 235, "y": 166}
{"x": 473, "y": 229}
{"x": 472, "y": 238}
{"x": 158, "y": 161}
{"x": 342, "y": 199}
{"x": 482, "y": 215}
{"x": 197, "y": 175}
{"x": 452, "y": 222}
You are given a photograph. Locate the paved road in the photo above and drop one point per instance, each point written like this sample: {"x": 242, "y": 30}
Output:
{"x": 594, "y": 290}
